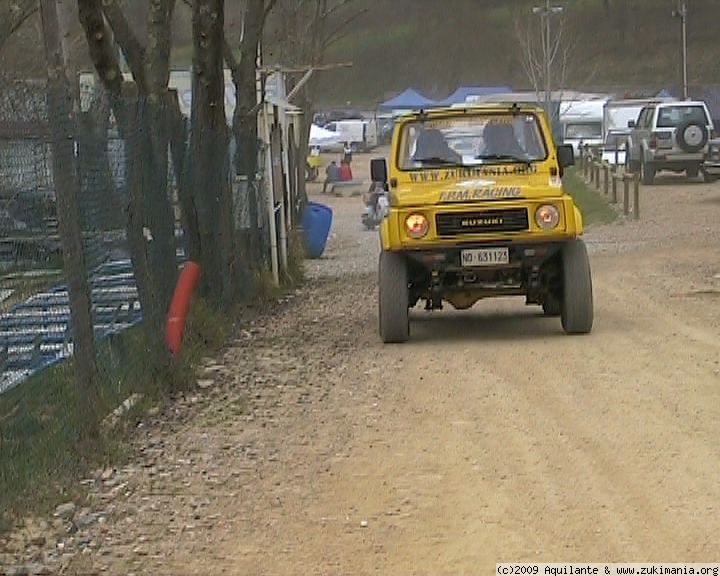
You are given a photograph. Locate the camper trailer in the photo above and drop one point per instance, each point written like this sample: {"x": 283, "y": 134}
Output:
{"x": 581, "y": 122}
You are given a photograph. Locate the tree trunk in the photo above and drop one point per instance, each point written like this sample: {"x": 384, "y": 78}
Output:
{"x": 67, "y": 14}
{"x": 245, "y": 116}
{"x": 68, "y": 210}
{"x": 208, "y": 149}
{"x": 160, "y": 219}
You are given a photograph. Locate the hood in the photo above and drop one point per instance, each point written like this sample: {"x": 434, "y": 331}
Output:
{"x": 476, "y": 189}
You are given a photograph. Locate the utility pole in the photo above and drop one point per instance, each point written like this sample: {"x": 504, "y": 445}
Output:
{"x": 681, "y": 13}
{"x": 545, "y": 13}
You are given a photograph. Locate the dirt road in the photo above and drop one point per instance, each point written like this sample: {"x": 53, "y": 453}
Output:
{"x": 490, "y": 437}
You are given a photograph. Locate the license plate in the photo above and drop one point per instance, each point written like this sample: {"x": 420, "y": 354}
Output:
{"x": 485, "y": 257}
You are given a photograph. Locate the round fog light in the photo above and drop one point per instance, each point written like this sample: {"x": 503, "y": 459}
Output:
{"x": 416, "y": 226}
{"x": 547, "y": 217}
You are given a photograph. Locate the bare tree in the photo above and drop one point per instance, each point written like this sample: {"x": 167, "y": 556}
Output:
{"x": 67, "y": 187}
{"x": 537, "y": 51}
{"x": 209, "y": 159}
{"x": 146, "y": 130}
{"x": 307, "y": 29}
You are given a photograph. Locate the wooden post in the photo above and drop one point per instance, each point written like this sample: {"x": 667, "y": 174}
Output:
{"x": 606, "y": 176}
{"x": 613, "y": 196}
{"x": 626, "y": 194}
{"x": 597, "y": 174}
{"x": 586, "y": 162}
{"x": 636, "y": 196}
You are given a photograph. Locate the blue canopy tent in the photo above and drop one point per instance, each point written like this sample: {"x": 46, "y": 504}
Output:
{"x": 408, "y": 100}
{"x": 461, "y": 94}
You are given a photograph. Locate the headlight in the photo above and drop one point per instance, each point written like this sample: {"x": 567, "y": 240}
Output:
{"x": 547, "y": 217}
{"x": 416, "y": 226}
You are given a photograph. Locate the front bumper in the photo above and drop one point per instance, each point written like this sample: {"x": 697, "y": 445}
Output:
{"x": 522, "y": 254}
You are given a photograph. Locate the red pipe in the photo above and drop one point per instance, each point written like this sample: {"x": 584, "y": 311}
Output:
{"x": 180, "y": 306}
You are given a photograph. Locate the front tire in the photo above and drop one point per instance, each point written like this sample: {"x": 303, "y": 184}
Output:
{"x": 393, "y": 301}
{"x": 576, "y": 310}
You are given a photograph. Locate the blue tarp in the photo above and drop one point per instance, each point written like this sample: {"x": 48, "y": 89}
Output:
{"x": 408, "y": 100}
{"x": 460, "y": 95}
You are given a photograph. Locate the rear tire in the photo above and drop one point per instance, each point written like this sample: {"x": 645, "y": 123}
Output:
{"x": 393, "y": 301}
{"x": 709, "y": 178}
{"x": 576, "y": 310}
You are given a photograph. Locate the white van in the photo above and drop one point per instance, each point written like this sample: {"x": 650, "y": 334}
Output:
{"x": 581, "y": 122}
{"x": 360, "y": 134}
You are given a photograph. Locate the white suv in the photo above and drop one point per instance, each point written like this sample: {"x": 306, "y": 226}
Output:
{"x": 669, "y": 136}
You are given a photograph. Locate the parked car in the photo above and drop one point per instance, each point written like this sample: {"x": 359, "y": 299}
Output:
{"x": 613, "y": 150}
{"x": 669, "y": 136}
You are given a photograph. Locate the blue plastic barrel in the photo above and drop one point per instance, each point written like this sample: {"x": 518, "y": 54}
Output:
{"x": 317, "y": 219}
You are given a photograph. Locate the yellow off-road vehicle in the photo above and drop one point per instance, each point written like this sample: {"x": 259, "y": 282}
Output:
{"x": 477, "y": 210}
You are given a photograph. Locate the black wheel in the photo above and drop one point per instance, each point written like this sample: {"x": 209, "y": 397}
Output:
{"x": 576, "y": 307}
{"x": 692, "y": 171}
{"x": 393, "y": 301}
{"x": 647, "y": 173}
{"x": 552, "y": 306}
{"x": 692, "y": 136}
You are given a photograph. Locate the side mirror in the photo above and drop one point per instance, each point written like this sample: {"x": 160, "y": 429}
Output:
{"x": 378, "y": 170}
{"x": 631, "y": 123}
{"x": 566, "y": 156}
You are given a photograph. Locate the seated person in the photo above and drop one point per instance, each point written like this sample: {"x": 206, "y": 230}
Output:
{"x": 431, "y": 147}
{"x": 345, "y": 171}
{"x": 499, "y": 140}
{"x": 332, "y": 174}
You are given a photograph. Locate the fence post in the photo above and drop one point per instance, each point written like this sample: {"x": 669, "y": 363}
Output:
{"x": 585, "y": 162}
{"x": 606, "y": 176}
{"x": 636, "y": 196}
{"x": 597, "y": 174}
{"x": 626, "y": 194}
{"x": 613, "y": 196}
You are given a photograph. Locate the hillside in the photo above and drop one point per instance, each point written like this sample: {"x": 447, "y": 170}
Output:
{"x": 435, "y": 45}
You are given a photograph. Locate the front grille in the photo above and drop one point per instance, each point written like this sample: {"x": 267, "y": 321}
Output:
{"x": 486, "y": 221}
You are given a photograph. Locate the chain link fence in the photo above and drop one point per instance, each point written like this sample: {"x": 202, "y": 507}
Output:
{"x": 134, "y": 214}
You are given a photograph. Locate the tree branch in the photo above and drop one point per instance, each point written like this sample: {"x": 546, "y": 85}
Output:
{"x": 158, "y": 58}
{"x": 337, "y": 34}
{"x": 100, "y": 44}
{"x": 133, "y": 50}
{"x": 17, "y": 14}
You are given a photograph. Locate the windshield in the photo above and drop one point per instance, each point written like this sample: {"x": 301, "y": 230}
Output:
{"x": 471, "y": 140}
{"x": 672, "y": 116}
{"x": 616, "y": 139}
{"x": 584, "y": 130}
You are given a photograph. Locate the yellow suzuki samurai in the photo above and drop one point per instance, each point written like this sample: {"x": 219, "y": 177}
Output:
{"x": 477, "y": 210}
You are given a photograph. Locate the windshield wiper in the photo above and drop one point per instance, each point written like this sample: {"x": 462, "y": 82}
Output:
{"x": 437, "y": 161}
{"x": 503, "y": 158}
